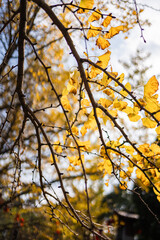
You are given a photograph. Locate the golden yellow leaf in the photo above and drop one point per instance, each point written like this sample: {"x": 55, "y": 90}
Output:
{"x": 152, "y": 105}
{"x": 120, "y": 105}
{"x": 75, "y": 130}
{"x": 109, "y": 92}
{"x": 105, "y": 102}
{"x": 123, "y": 105}
{"x": 71, "y": 88}
{"x": 123, "y": 185}
{"x": 128, "y": 87}
{"x": 57, "y": 147}
{"x": 155, "y": 149}
{"x": 134, "y": 117}
{"x": 105, "y": 80}
{"x": 91, "y": 122}
{"x": 83, "y": 130}
{"x": 100, "y": 113}
{"x": 65, "y": 103}
{"x": 93, "y": 31}
{"x": 107, "y": 167}
{"x": 85, "y": 103}
{"x": 70, "y": 168}
{"x": 107, "y": 21}
{"x": 128, "y": 110}
{"x": 65, "y": 91}
{"x": 107, "y": 184}
{"x": 104, "y": 59}
{"x": 113, "y": 113}
{"x": 84, "y": 145}
{"x": 157, "y": 115}
{"x": 113, "y": 31}
{"x": 102, "y": 43}
{"x": 94, "y": 16}
{"x": 158, "y": 130}
{"x": 74, "y": 160}
{"x": 132, "y": 113}
{"x": 129, "y": 149}
{"x": 151, "y": 87}
{"x": 149, "y": 123}
{"x": 94, "y": 72}
{"x": 86, "y": 4}
{"x": 123, "y": 174}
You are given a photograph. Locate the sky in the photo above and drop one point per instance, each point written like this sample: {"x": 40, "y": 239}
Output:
{"x": 127, "y": 48}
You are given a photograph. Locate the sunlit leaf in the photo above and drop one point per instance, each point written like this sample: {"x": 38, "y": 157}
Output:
{"x": 83, "y": 130}
{"x": 105, "y": 102}
{"x": 94, "y": 16}
{"x": 113, "y": 31}
{"x": 109, "y": 92}
{"x": 57, "y": 147}
{"x": 65, "y": 103}
{"x": 147, "y": 122}
{"x": 134, "y": 117}
{"x": 86, "y": 4}
{"x": 104, "y": 59}
{"x": 102, "y": 43}
{"x": 93, "y": 31}
{"x": 107, "y": 21}
{"x": 158, "y": 130}
{"x": 151, "y": 87}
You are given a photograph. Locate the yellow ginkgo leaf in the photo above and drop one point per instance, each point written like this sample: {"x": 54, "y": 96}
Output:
{"x": 109, "y": 92}
{"x": 86, "y": 4}
{"x": 83, "y": 130}
{"x": 85, "y": 102}
{"x": 93, "y": 31}
{"x": 155, "y": 149}
{"x": 65, "y": 103}
{"x": 158, "y": 130}
{"x": 113, "y": 31}
{"x": 74, "y": 160}
{"x": 84, "y": 145}
{"x": 129, "y": 149}
{"x": 107, "y": 167}
{"x": 151, "y": 87}
{"x": 71, "y": 89}
{"x": 104, "y": 59}
{"x": 91, "y": 122}
{"x": 57, "y": 147}
{"x": 75, "y": 130}
{"x": 105, "y": 102}
{"x": 128, "y": 87}
{"x": 134, "y": 117}
{"x": 95, "y": 16}
{"x": 123, "y": 185}
{"x": 120, "y": 105}
{"x": 105, "y": 80}
{"x": 123, "y": 105}
{"x": 113, "y": 113}
{"x": 94, "y": 72}
{"x": 149, "y": 123}
{"x": 107, "y": 21}
{"x": 102, "y": 43}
